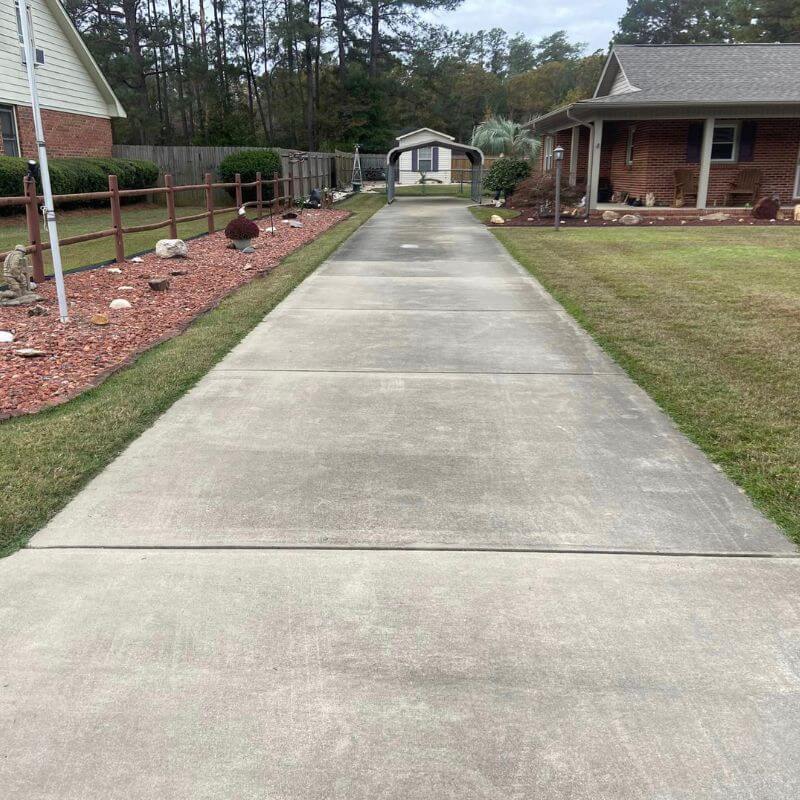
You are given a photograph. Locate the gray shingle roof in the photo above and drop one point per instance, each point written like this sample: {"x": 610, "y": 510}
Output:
{"x": 716, "y": 73}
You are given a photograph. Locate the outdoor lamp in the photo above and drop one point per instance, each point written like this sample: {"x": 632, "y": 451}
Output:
{"x": 558, "y": 153}
{"x": 33, "y": 171}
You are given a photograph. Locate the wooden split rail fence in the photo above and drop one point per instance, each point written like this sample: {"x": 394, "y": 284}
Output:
{"x": 282, "y": 190}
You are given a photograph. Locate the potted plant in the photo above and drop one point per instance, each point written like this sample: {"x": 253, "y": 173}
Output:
{"x": 240, "y": 231}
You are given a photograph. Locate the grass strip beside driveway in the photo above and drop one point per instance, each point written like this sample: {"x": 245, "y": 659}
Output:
{"x": 48, "y": 457}
{"x": 708, "y": 323}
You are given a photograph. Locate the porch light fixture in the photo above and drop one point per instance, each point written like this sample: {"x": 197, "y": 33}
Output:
{"x": 558, "y": 154}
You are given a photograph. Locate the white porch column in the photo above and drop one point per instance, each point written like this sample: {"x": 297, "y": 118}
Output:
{"x": 573, "y": 155}
{"x": 705, "y": 162}
{"x": 595, "y": 147}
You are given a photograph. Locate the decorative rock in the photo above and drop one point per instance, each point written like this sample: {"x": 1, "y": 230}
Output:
{"x": 37, "y": 311}
{"x": 766, "y": 208}
{"x": 99, "y": 319}
{"x": 496, "y": 219}
{"x": 294, "y": 223}
{"x": 630, "y": 219}
{"x": 717, "y": 216}
{"x": 289, "y": 215}
{"x": 6, "y": 337}
{"x": 114, "y": 270}
{"x": 176, "y": 272}
{"x": 29, "y": 352}
{"x": 610, "y": 216}
{"x": 125, "y": 288}
{"x": 797, "y": 213}
{"x": 136, "y": 260}
{"x": 119, "y": 304}
{"x": 171, "y": 248}
{"x": 159, "y": 284}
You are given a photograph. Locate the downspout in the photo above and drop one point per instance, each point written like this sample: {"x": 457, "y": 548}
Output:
{"x": 589, "y": 160}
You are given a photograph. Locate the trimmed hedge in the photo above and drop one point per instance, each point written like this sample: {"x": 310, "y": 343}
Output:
{"x": 247, "y": 163}
{"x": 506, "y": 173}
{"x": 77, "y": 175}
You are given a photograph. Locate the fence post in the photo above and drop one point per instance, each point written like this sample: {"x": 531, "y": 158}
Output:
{"x": 238, "y": 180}
{"x": 173, "y": 227}
{"x": 259, "y": 196}
{"x": 209, "y": 203}
{"x": 277, "y": 190}
{"x": 34, "y": 231}
{"x": 116, "y": 218}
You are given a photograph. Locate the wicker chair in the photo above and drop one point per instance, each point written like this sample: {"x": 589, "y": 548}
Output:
{"x": 744, "y": 187}
{"x": 685, "y": 187}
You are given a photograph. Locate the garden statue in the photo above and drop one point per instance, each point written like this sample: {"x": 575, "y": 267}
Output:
{"x": 17, "y": 272}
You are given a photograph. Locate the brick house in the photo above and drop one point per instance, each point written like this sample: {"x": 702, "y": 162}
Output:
{"x": 77, "y": 102}
{"x": 686, "y": 125}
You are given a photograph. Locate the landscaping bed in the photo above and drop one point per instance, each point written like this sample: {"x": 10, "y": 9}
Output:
{"x": 527, "y": 218}
{"x": 80, "y": 354}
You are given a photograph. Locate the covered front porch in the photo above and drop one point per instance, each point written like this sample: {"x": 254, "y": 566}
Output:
{"x": 649, "y": 159}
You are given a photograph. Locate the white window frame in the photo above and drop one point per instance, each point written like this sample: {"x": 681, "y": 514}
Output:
{"x": 38, "y": 52}
{"x": 428, "y": 159}
{"x": 14, "y": 126}
{"x": 629, "y": 146}
{"x": 797, "y": 178}
{"x": 737, "y": 132}
{"x": 548, "y": 153}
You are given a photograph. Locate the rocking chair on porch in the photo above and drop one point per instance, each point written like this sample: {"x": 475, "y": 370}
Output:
{"x": 744, "y": 187}
{"x": 685, "y": 187}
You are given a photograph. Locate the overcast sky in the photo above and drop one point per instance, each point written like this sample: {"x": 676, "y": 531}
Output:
{"x": 591, "y": 21}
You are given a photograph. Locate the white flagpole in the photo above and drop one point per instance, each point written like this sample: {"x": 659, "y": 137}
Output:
{"x": 49, "y": 213}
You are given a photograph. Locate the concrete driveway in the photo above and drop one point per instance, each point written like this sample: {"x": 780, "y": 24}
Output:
{"x": 417, "y": 537}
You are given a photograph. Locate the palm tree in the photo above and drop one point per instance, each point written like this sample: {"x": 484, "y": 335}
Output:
{"x": 498, "y": 136}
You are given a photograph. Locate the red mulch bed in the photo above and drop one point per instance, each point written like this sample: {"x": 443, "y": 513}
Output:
{"x": 80, "y": 355}
{"x": 528, "y": 219}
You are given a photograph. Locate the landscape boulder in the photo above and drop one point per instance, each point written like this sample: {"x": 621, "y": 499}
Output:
{"x": 717, "y": 216}
{"x": 171, "y": 248}
{"x": 119, "y": 304}
{"x": 610, "y": 216}
{"x": 159, "y": 284}
{"x": 496, "y": 219}
{"x": 630, "y": 219}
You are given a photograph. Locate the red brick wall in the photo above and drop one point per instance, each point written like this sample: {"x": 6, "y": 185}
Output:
{"x": 67, "y": 135}
{"x": 660, "y": 147}
{"x": 564, "y": 139}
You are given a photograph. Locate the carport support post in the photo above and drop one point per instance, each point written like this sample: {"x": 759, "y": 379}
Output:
{"x": 705, "y": 162}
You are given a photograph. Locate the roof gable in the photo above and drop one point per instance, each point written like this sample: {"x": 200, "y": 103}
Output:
{"x": 701, "y": 73}
{"x": 431, "y": 131}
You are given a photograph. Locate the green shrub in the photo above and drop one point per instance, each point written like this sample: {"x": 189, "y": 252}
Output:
{"x": 247, "y": 163}
{"x": 506, "y": 173}
{"x": 78, "y": 175}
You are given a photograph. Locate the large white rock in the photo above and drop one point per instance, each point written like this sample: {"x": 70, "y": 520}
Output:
{"x": 171, "y": 248}
{"x": 717, "y": 216}
{"x": 496, "y": 219}
{"x": 119, "y": 304}
{"x": 631, "y": 219}
{"x": 610, "y": 216}
{"x": 6, "y": 337}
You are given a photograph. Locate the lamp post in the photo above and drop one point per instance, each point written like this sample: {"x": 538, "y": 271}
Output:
{"x": 558, "y": 153}
{"x": 47, "y": 209}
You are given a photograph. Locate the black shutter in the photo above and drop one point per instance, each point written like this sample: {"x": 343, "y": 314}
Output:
{"x": 747, "y": 140}
{"x": 694, "y": 143}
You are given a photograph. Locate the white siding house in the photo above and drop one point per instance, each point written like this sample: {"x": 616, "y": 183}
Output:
{"x": 434, "y": 161}
{"x": 77, "y": 101}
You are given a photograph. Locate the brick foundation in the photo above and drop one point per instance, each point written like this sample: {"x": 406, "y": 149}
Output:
{"x": 67, "y": 135}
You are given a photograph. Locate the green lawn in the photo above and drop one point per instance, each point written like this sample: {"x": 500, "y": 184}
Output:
{"x": 708, "y": 322}
{"x": 13, "y": 231}
{"x": 435, "y": 190}
{"x": 46, "y": 458}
